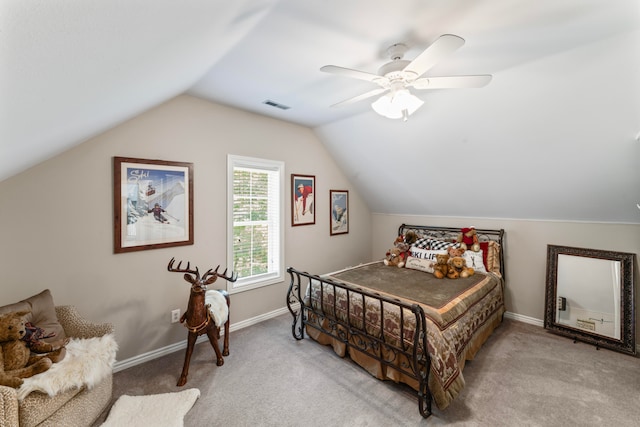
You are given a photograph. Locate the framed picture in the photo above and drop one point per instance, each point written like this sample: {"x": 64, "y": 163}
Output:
{"x": 152, "y": 204}
{"x": 303, "y": 188}
{"x": 339, "y": 205}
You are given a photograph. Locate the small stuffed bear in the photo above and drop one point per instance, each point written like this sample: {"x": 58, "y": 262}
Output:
{"x": 441, "y": 267}
{"x": 395, "y": 258}
{"x": 458, "y": 268}
{"x": 468, "y": 239}
{"x": 410, "y": 238}
{"x": 453, "y": 252}
{"x": 404, "y": 242}
{"x": 401, "y": 244}
{"x": 34, "y": 338}
{"x": 16, "y": 360}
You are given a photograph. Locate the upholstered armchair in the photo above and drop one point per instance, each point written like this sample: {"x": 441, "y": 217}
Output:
{"x": 78, "y": 406}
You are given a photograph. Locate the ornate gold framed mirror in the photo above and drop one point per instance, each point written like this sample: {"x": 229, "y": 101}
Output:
{"x": 590, "y": 297}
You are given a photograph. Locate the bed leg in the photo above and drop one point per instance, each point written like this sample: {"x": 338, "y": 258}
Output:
{"x": 424, "y": 400}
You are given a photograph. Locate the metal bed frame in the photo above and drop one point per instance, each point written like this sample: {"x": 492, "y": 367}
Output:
{"x": 354, "y": 335}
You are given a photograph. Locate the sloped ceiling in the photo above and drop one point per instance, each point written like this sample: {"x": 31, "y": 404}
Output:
{"x": 554, "y": 136}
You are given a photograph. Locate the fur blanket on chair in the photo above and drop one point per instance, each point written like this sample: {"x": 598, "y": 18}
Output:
{"x": 219, "y": 309}
{"x": 87, "y": 362}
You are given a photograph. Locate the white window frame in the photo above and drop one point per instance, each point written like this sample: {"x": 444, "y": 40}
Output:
{"x": 256, "y": 281}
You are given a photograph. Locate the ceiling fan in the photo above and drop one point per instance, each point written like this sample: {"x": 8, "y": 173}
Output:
{"x": 399, "y": 75}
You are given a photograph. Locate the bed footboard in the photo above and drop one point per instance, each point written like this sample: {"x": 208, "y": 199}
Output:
{"x": 386, "y": 329}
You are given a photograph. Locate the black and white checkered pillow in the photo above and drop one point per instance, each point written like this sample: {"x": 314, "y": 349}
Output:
{"x": 436, "y": 245}
{"x": 421, "y": 243}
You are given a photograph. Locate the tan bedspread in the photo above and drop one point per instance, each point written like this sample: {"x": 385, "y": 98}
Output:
{"x": 460, "y": 315}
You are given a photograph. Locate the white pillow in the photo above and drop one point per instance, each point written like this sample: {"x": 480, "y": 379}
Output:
{"x": 474, "y": 260}
{"x": 421, "y": 264}
{"x": 424, "y": 253}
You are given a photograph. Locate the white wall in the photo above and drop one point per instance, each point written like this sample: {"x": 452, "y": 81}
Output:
{"x": 56, "y": 220}
{"x": 525, "y": 250}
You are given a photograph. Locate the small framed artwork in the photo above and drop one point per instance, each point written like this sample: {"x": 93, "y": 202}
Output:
{"x": 153, "y": 204}
{"x": 339, "y": 204}
{"x": 303, "y": 188}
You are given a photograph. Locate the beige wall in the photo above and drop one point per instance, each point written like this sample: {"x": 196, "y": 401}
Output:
{"x": 526, "y": 250}
{"x": 56, "y": 220}
{"x": 56, "y": 225}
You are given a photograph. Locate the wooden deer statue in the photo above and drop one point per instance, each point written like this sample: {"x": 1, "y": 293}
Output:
{"x": 198, "y": 317}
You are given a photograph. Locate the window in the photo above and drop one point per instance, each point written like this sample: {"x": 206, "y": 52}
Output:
{"x": 255, "y": 220}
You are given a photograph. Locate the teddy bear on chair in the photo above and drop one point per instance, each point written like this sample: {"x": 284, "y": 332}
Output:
{"x": 16, "y": 360}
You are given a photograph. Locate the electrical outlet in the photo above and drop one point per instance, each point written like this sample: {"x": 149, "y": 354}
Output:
{"x": 562, "y": 304}
{"x": 175, "y": 315}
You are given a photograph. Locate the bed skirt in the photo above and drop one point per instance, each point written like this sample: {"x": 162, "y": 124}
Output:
{"x": 442, "y": 396}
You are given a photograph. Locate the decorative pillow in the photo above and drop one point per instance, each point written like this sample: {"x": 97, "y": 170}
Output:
{"x": 492, "y": 261}
{"x": 475, "y": 260}
{"x": 424, "y": 253}
{"x": 421, "y": 264}
{"x": 43, "y": 314}
{"x": 421, "y": 243}
{"x": 437, "y": 245}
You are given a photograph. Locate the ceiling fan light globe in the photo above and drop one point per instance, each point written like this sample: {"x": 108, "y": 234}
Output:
{"x": 405, "y": 100}
{"x": 396, "y": 105}
{"x": 383, "y": 107}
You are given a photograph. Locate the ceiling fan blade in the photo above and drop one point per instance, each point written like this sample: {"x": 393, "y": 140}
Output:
{"x": 452, "y": 82}
{"x": 361, "y": 97}
{"x": 348, "y": 72}
{"x": 446, "y": 44}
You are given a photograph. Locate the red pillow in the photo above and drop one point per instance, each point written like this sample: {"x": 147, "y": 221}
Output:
{"x": 484, "y": 246}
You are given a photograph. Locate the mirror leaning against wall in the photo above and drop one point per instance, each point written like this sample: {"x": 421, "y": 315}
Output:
{"x": 590, "y": 296}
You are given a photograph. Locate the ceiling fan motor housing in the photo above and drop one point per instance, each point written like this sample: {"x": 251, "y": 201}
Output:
{"x": 394, "y": 70}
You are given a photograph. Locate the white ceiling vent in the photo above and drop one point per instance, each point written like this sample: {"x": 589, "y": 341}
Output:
{"x": 276, "y": 104}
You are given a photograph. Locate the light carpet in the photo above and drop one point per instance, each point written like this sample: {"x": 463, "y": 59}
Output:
{"x": 158, "y": 410}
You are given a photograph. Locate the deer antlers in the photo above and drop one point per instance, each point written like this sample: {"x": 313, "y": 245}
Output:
{"x": 208, "y": 278}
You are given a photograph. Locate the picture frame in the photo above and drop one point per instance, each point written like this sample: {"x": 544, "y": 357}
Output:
{"x": 339, "y": 212}
{"x": 303, "y": 188}
{"x": 152, "y": 204}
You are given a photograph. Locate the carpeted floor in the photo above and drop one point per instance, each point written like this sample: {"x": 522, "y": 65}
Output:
{"x": 523, "y": 376}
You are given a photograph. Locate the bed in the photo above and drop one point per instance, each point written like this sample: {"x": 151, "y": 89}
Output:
{"x": 403, "y": 324}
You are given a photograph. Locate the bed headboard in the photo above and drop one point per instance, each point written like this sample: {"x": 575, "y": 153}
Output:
{"x": 449, "y": 234}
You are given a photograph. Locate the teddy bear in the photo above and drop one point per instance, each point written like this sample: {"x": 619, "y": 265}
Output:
{"x": 441, "y": 267}
{"x": 34, "y": 338}
{"x": 458, "y": 268}
{"x": 454, "y": 252}
{"x": 404, "y": 242}
{"x": 468, "y": 239}
{"x": 16, "y": 360}
{"x": 395, "y": 258}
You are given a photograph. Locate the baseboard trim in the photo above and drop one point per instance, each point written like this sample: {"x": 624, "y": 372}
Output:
{"x": 155, "y": 354}
{"x": 538, "y": 322}
{"x": 524, "y": 319}
{"x": 151, "y": 355}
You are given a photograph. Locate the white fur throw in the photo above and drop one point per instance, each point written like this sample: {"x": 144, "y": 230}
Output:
{"x": 86, "y": 363}
{"x": 219, "y": 309}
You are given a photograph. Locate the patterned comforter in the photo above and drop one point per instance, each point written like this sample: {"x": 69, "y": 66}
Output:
{"x": 460, "y": 316}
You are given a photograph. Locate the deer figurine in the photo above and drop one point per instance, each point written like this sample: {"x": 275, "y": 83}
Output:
{"x": 198, "y": 317}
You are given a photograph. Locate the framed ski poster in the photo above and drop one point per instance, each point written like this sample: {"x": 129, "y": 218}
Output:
{"x": 339, "y": 204}
{"x": 303, "y": 188}
{"x": 153, "y": 204}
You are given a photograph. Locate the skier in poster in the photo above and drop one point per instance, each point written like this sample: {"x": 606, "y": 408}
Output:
{"x": 157, "y": 214}
{"x": 301, "y": 194}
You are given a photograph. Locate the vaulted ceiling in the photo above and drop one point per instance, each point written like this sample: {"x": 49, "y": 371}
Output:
{"x": 555, "y": 135}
